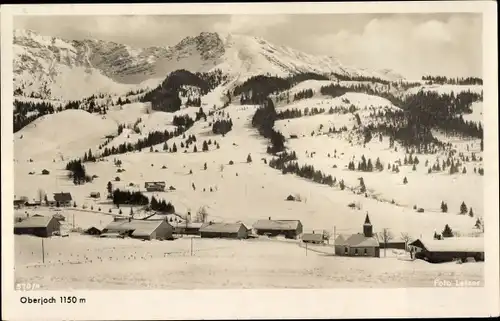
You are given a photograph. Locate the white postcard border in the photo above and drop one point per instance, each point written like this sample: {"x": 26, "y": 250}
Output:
{"x": 233, "y": 304}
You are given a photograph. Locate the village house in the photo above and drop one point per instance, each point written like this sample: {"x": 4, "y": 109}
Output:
{"x": 19, "y": 203}
{"x": 42, "y": 226}
{"x": 93, "y": 231}
{"x": 314, "y": 238}
{"x": 288, "y": 228}
{"x": 359, "y": 244}
{"x": 448, "y": 249}
{"x": 95, "y": 195}
{"x": 141, "y": 229}
{"x": 63, "y": 199}
{"x": 155, "y": 186}
{"x": 224, "y": 230}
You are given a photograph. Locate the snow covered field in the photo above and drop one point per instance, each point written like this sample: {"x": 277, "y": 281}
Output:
{"x": 85, "y": 262}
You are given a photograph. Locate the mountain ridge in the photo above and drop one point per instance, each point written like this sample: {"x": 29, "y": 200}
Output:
{"x": 41, "y": 62}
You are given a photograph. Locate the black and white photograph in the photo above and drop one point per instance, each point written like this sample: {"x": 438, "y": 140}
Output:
{"x": 249, "y": 151}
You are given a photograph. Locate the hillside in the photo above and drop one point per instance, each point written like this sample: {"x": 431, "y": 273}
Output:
{"x": 256, "y": 187}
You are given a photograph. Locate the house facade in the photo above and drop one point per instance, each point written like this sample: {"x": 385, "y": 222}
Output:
{"x": 360, "y": 244}
{"x": 289, "y": 228}
{"x": 63, "y": 199}
{"x": 42, "y": 226}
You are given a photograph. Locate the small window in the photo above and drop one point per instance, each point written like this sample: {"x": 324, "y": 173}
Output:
{"x": 366, "y": 252}
{"x": 346, "y": 250}
{"x": 356, "y": 251}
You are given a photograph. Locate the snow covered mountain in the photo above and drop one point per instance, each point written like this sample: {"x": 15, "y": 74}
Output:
{"x": 49, "y": 67}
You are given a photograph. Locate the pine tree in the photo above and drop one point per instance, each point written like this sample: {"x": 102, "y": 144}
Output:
{"x": 414, "y": 168}
{"x": 463, "y": 208}
{"x": 369, "y": 166}
{"x": 205, "y": 146}
{"x": 249, "y": 158}
{"x": 174, "y": 148}
{"x": 444, "y": 207}
{"x": 205, "y": 166}
{"x": 464, "y": 171}
{"x": 195, "y": 150}
{"x": 447, "y": 232}
{"x": 362, "y": 185}
{"x": 405, "y": 180}
{"x": 471, "y": 213}
{"x": 341, "y": 184}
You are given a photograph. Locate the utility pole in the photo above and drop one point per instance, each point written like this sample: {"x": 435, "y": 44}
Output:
{"x": 73, "y": 221}
{"x": 334, "y": 233}
{"x": 191, "y": 246}
{"x": 306, "y": 249}
{"x": 43, "y": 252}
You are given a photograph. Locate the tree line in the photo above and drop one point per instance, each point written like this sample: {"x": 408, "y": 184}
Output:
{"x": 264, "y": 119}
{"x": 452, "y": 81}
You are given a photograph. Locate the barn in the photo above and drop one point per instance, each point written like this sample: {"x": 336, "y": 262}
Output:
{"x": 141, "y": 229}
{"x": 288, "y": 228}
{"x": 63, "y": 199}
{"x": 359, "y": 244}
{"x": 95, "y": 195}
{"x": 42, "y": 226}
{"x": 224, "y": 230}
{"x": 314, "y": 238}
{"x": 448, "y": 249}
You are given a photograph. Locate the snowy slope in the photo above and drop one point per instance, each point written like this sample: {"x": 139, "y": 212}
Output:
{"x": 258, "y": 191}
{"x": 69, "y": 133}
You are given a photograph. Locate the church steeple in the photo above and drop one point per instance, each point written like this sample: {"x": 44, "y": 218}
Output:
{"x": 367, "y": 227}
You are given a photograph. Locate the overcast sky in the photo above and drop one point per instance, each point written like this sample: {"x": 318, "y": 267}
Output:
{"x": 411, "y": 44}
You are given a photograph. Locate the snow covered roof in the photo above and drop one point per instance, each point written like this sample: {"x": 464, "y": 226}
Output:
{"x": 312, "y": 237}
{"x": 222, "y": 227}
{"x": 453, "y": 244}
{"x": 276, "y": 225}
{"x": 34, "y": 221}
{"x": 357, "y": 240}
{"x": 145, "y": 226}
